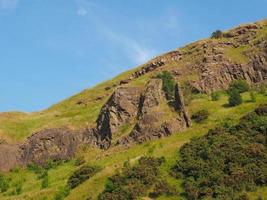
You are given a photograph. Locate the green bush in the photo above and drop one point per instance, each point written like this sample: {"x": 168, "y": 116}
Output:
{"x": 215, "y": 96}
{"x": 252, "y": 96}
{"x": 44, "y": 182}
{"x": 261, "y": 110}
{"x": 62, "y": 193}
{"x": 226, "y": 162}
{"x": 4, "y": 185}
{"x": 262, "y": 89}
{"x": 81, "y": 175}
{"x": 200, "y": 116}
{"x": 162, "y": 188}
{"x": 168, "y": 84}
{"x": 234, "y": 98}
{"x": 239, "y": 85}
{"x": 132, "y": 182}
{"x": 217, "y": 34}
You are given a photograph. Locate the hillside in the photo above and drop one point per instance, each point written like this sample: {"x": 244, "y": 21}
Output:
{"x": 143, "y": 112}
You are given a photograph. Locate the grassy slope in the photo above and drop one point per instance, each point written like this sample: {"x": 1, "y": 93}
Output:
{"x": 114, "y": 158}
{"x": 17, "y": 126}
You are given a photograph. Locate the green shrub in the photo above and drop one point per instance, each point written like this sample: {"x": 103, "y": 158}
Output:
{"x": 215, "y": 96}
{"x": 132, "y": 182}
{"x": 200, "y": 116}
{"x": 44, "y": 182}
{"x": 261, "y": 110}
{"x": 18, "y": 188}
{"x": 234, "y": 98}
{"x": 168, "y": 84}
{"x": 262, "y": 89}
{"x": 239, "y": 85}
{"x": 79, "y": 161}
{"x": 4, "y": 185}
{"x": 226, "y": 162}
{"x": 162, "y": 188}
{"x": 81, "y": 175}
{"x": 62, "y": 193}
{"x": 252, "y": 96}
{"x": 217, "y": 34}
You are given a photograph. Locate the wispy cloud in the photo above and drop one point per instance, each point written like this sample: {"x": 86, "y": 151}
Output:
{"x": 82, "y": 11}
{"x": 8, "y": 4}
{"x": 133, "y": 49}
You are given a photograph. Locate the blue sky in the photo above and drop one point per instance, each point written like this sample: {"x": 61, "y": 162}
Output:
{"x": 52, "y": 49}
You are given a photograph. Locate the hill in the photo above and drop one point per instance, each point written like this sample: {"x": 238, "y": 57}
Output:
{"x": 143, "y": 112}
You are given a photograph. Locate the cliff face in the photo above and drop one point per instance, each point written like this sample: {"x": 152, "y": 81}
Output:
{"x": 205, "y": 66}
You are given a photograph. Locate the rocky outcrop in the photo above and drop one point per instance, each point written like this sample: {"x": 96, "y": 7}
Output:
{"x": 154, "y": 120}
{"x": 48, "y": 144}
{"x": 9, "y": 156}
{"x": 146, "y": 69}
{"x": 53, "y": 144}
{"x": 147, "y": 110}
{"x": 121, "y": 107}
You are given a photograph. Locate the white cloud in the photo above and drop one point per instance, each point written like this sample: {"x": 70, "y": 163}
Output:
{"x": 82, "y": 11}
{"x": 8, "y": 4}
{"x": 135, "y": 50}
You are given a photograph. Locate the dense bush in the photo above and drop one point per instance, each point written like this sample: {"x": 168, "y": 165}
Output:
{"x": 162, "y": 187}
{"x": 132, "y": 182}
{"x": 261, "y": 110}
{"x": 62, "y": 193}
{"x": 81, "y": 175}
{"x": 239, "y": 85}
{"x": 215, "y": 96}
{"x": 227, "y": 161}
{"x": 234, "y": 98}
{"x": 200, "y": 116}
{"x": 168, "y": 84}
{"x": 4, "y": 185}
{"x": 217, "y": 34}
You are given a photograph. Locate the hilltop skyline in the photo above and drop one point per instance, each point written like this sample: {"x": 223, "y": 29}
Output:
{"x": 51, "y": 50}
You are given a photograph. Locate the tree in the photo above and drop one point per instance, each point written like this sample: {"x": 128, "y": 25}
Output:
{"x": 217, "y": 34}
{"x": 240, "y": 85}
{"x": 234, "y": 98}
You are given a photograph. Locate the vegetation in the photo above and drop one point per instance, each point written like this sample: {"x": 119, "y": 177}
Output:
{"x": 4, "y": 185}
{"x": 217, "y": 34}
{"x": 227, "y": 161}
{"x": 235, "y": 98}
{"x": 200, "y": 116}
{"x": 82, "y": 109}
{"x": 81, "y": 175}
{"x": 168, "y": 84}
{"x": 239, "y": 85}
{"x": 133, "y": 182}
{"x": 252, "y": 96}
{"x": 215, "y": 96}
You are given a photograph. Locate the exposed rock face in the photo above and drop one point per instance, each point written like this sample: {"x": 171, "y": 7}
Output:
{"x": 147, "y": 110}
{"x": 153, "y": 120}
{"x": 148, "y": 68}
{"x": 121, "y": 107}
{"x": 54, "y": 144}
{"x": 180, "y": 106}
{"x": 48, "y": 144}
{"x": 9, "y": 156}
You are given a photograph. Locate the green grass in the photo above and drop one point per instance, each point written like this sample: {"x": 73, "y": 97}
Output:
{"x": 82, "y": 110}
{"x": 237, "y": 54}
{"x": 113, "y": 159}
